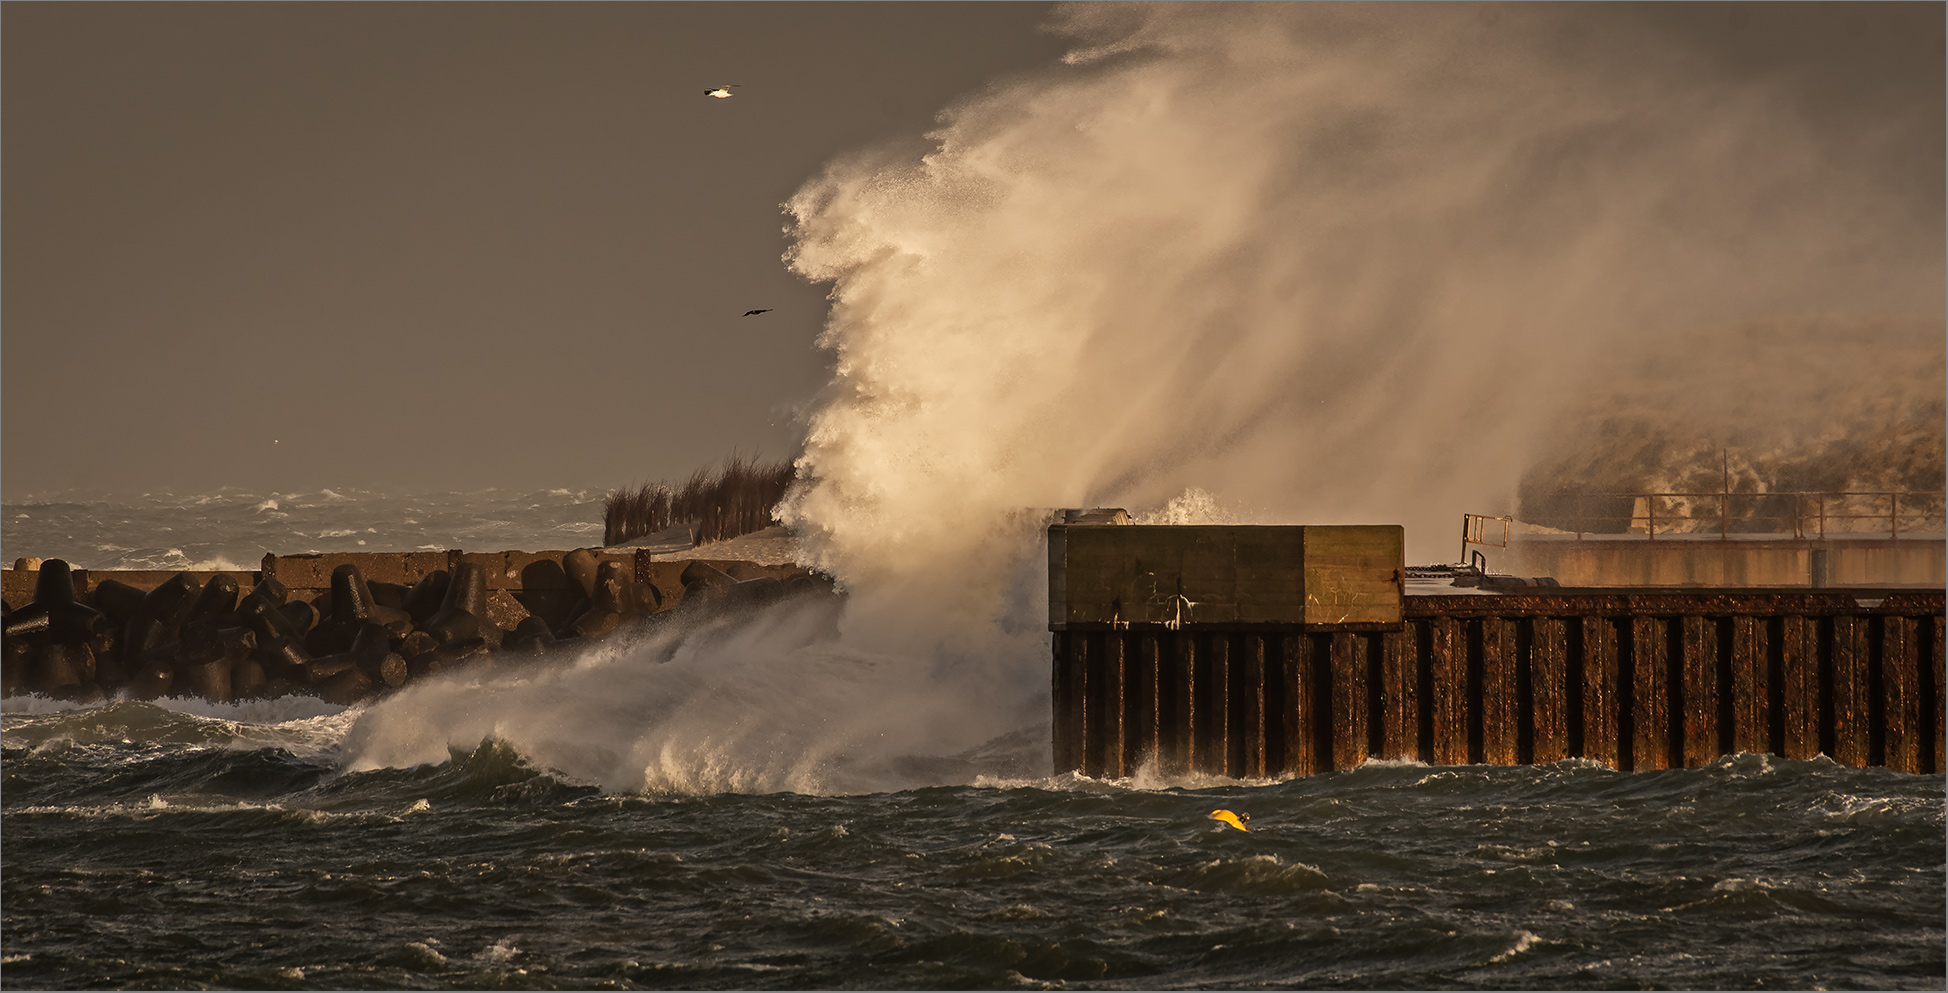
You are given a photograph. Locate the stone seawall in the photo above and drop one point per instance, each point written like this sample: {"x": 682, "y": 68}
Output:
{"x": 347, "y": 626}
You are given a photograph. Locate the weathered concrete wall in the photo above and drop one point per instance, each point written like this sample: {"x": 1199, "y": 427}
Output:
{"x": 1920, "y": 561}
{"x": 518, "y": 577}
{"x": 1311, "y": 575}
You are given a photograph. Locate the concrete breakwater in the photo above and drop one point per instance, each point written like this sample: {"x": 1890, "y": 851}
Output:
{"x": 346, "y": 627}
{"x": 1255, "y": 652}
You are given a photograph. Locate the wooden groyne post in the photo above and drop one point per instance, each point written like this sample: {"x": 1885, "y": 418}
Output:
{"x": 1259, "y": 652}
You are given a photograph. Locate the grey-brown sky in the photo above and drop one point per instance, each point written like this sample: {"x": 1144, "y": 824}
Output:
{"x": 421, "y": 246}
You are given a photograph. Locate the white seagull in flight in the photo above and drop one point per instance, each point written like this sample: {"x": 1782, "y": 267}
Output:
{"x": 721, "y": 92}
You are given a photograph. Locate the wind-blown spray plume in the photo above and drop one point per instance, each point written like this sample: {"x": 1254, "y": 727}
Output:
{"x": 1331, "y": 264}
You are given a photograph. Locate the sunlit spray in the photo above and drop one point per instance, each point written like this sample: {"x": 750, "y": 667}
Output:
{"x": 1263, "y": 263}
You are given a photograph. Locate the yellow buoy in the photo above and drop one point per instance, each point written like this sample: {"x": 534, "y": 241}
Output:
{"x": 1240, "y": 821}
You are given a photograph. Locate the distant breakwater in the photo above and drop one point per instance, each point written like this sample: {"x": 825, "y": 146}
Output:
{"x": 348, "y": 627}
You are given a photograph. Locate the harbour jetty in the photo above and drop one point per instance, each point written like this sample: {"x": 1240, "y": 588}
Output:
{"x": 1261, "y": 651}
{"x": 348, "y": 626}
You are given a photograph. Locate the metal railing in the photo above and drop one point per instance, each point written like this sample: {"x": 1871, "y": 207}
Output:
{"x": 1475, "y": 529}
{"x": 1803, "y": 514}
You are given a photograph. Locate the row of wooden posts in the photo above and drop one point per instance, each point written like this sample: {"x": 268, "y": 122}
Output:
{"x": 1634, "y": 681}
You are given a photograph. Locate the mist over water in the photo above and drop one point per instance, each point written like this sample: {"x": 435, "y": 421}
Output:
{"x": 754, "y": 704}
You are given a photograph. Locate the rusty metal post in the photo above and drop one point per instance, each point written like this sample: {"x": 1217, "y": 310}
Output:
{"x": 1146, "y": 689}
{"x": 1181, "y": 751}
{"x": 1062, "y": 691}
{"x": 1650, "y": 734}
{"x": 1751, "y": 687}
{"x": 1211, "y": 735}
{"x": 1108, "y": 712}
{"x": 1253, "y": 714}
{"x": 1799, "y": 670}
{"x": 1499, "y": 733}
{"x": 1600, "y": 692}
{"x": 1847, "y": 714}
{"x": 1901, "y": 696}
{"x": 1399, "y": 695}
{"x": 1297, "y": 710}
{"x": 1448, "y": 668}
{"x": 1940, "y": 697}
{"x": 1699, "y": 640}
{"x": 1548, "y": 649}
{"x": 1349, "y": 695}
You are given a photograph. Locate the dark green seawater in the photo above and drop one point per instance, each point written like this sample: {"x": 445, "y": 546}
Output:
{"x": 150, "y": 847}
{"x": 758, "y": 806}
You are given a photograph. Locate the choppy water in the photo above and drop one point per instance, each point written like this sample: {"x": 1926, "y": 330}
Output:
{"x": 150, "y": 847}
{"x": 232, "y": 529}
{"x": 262, "y": 846}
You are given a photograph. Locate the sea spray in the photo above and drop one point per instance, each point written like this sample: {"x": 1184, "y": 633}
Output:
{"x": 762, "y": 703}
{"x": 1330, "y": 264}
{"x": 1340, "y": 264}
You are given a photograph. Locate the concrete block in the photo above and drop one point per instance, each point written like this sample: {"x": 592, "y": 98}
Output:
{"x": 17, "y": 585}
{"x": 312, "y": 570}
{"x": 1320, "y": 576}
{"x": 493, "y": 567}
{"x": 1354, "y": 574}
{"x": 504, "y": 610}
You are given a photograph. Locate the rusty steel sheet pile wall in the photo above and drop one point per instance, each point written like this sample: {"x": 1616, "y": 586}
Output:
{"x": 1637, "y": 681}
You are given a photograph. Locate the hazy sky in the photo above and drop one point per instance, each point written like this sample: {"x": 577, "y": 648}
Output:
{"x": 432, "y": 245}
{"x": 427, "y": 246}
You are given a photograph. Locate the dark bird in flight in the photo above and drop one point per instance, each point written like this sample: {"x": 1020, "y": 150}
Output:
{"x": 721, "y": 92}
{"x": 750, "y": 313}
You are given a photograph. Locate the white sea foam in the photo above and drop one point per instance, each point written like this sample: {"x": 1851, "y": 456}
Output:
{"x": 423, "y": 956}
{"x": 32, "y": 703}
{"x": 1524, "y": 940}
{"x": 296, "y": 709}
{"x": 500, "y": 951}
{"x": 763, "y": 705}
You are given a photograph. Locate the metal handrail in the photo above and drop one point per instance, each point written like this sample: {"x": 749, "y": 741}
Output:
{"x": 1474, "y": 532}
{"x": 1798, "y": 520}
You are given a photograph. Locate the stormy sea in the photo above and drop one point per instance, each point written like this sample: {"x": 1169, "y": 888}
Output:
{"x": 744, "y": 807}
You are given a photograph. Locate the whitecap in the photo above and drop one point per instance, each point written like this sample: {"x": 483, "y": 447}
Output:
{"x": 424, "y": 956}
{"x": 1524, "y": 940}
{"x": 500, "y": 951}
